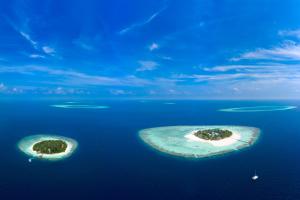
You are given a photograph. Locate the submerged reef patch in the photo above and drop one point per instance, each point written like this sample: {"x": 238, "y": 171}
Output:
{"x": 79, "y": 106}
{"x": 258, "y": 109}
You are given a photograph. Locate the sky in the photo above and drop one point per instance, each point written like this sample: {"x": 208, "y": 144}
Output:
{"x": 158, "y": 49}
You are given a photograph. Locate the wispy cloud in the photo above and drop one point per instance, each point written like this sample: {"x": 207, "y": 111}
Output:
{"x": 119, "y": 92}
{"x": 36, "y": 56}
{"x": 246, "y": 68}
{"x": 140, "y": 24}
{"x": 237, "y": 73}
{"x": 63, "y": 91}
{"x": 294, "y": 33}
{"x": 48, "y": 50}
{"x": 225, "y": 68}
{"x": 165, "y": 57}
{"x": 256, "y": 83}
{"x": 24, "y": 31}
{"x": 85, "y": 42}
{"x": 146, "y": 65}
{"x": 10, "y": 90}
{"x": 28, "y": 38}
{"x": 71, "y": 77}
{"x": 287, "y": 51}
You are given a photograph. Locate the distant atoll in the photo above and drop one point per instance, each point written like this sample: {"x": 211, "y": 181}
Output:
{"x": 258, "y": 109}
{"x": 169, "y": 103}
{"x": 48, "y": 147}
{"x": 79, "y": 106}
{"x": 199, "y": 141}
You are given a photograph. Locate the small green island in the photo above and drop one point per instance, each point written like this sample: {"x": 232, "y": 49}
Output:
{"x": 213, "y": 134}
{"x": 47, "y": 147}
{"x": 50, "y": 147}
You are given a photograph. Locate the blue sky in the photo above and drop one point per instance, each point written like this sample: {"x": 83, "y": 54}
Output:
{"x": 195, "y": 49}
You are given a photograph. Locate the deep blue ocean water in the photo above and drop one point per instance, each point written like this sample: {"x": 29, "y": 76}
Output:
{"x": 112, "y": 162}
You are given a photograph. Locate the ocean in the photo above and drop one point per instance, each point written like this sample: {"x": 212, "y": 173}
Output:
{"x": 112, "y": 162}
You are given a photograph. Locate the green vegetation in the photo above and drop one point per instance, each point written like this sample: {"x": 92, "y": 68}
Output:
{"x": 213, "y": 134}
{"x": 50, "y": 146}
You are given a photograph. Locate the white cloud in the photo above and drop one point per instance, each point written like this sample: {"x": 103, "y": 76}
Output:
{"x": 10, "y": 90}
{"x": 287, "y": 51}
{"x": 272, "y": 77}
{"x": 239, "y": 68}
{"x": 61, "y": 91}
{"x": 120, "y": 92}
{"x": 48, "y": 50}
{"x": 140, "y": 24}
{"x": 215, "y": 77}
{"x": 36, "y": 56}
{"x": 278, "y": 81}
{"x": 146, "y": 65}
{"x": 24, "y": 31}
{"x": 241, "y": 76}
{"x": 226, "y": 68}
{"x": 28, "y": 38}
{"x": 71, "y": 77}
{"x": 281, "y": 72}
{"x": 16, "y": 90}
{"x": 153, "y": 46}
{"x": 236, "y": 89}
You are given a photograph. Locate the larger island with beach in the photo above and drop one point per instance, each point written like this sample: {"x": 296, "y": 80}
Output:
{"x": 199, "y": 141}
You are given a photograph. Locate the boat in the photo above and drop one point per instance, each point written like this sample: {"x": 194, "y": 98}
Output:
{"x": 255, "y": 177}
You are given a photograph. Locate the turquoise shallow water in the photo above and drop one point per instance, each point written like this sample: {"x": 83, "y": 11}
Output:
{"x": 171, "y": 139}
